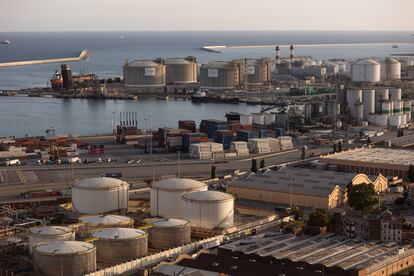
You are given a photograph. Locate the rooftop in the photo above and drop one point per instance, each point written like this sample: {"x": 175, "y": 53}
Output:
{"x": 99, "y": 183}
{"x": 64, "y": 247}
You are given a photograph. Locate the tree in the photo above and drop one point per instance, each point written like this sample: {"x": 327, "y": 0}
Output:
{"x": 410, "y": 174}
{"x": 362, "y": 196}
{"x": 297, "y": 213}
{"x": 213, "y": 172}
{"x": 319, "y": 218}
{"x": 254, "y": 166}
{"x": 262, "y": 164}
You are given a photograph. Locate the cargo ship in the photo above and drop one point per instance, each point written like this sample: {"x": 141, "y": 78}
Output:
{"x": 56, "y": 81}
{"x": 202, "y": 97}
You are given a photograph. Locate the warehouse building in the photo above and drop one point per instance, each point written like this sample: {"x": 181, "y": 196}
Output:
{"x": 326, "y": 253}
{"x": 301, "y": 187}
{"x": 372, "y": 161}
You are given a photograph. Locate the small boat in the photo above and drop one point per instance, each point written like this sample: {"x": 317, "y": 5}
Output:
{"x": 395, "y": 46}
{"x": 6, "y": 42}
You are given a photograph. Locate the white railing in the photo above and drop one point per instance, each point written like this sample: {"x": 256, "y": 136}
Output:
{"x": 158, "y": 257}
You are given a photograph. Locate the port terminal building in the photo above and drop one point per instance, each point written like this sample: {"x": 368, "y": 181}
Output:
{"x": 301, "y": 187}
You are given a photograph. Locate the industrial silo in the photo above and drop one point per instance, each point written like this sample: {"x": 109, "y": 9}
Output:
{"x": 395, "y": 94}
{"x": 390, "y": 69}
{"x": 395, "y": 120}
{"x": 100, "y": 195}
{"x": 208, "y": 209}
{"x": 381, "y": 94}
{"x": 169, "y": 233}
{"x": 407, "y": 110}
{"x": 353, "y": 97}
{"x": 269, "y": 119}
{"x": 382, "y": 120}
{"x": 181, "y": 70}
{"x": 166, "y": 195}
{"x": 332, "y": 69}
{"x": 68, "y": 258}
{"x": 386, "y": 108}
{"x": 44, "y": 234}
{"x": 119, "y": 245}
{"x": 246, "y": 119}
{"x": 398, "y": 107}
{"x": 145, "y": 73}
{"x": 94, "y": 223}
{"x": 258, "y": 71}
{"x": 368, "y": 99}
{"x": 366, "y": 70}
{"x": 359, "y": 111}
{"x": 221, "y": 75}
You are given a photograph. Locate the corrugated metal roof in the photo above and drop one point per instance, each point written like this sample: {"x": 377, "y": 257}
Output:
{"x": 63, "y": 247}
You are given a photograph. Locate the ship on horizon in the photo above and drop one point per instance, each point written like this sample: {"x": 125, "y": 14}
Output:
{"x": 5, "y": 42}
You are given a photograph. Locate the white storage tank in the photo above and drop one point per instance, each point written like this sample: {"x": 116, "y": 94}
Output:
{"x": 386, "y": 108}
{"x": 395, "y": 120}
{"x": 166, "y": 195}
{"x": 44, "y": 234}
{"x": 359, "y": 111}
{"x": 99, "y": 195}
{"x": 94, "y": 223}
{"x": 269, "y": 118}
{"x": 368, "y": 99}
{"x": 209, "y": 209}
{"x": 366, "y": 70}
{"x": 181, "y": 70}
{"x": 144, "y": 73}
{"x": 390, "y": 69}
{"x": 119, "y": 245}
{"x": 407, "y": 110}
{"x": 68, "y": 258}
{"x": 221, "y": 75}
{"x": 395, "y": 94}
{"x": 258, "y": 71}
{"x": 246, "y": 119}
{"x": 403, "y": 120}
{"x": 398, "y": 107}
{"x": 381, "y": 94}
{"x": 382, "y": 120}
{"x": 353, "y": 97}
{"x": 169, "y": 233}
{"x": 258, "y": 119}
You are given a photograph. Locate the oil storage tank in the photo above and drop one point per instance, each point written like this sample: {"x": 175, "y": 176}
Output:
{"x": 44, "y": 234}
{"x": 395, "y": 94}
{"x": 181, "y": 70}
{"x": 353, "y": 97}
{"x": 166, "y": 195}
{"x": 368, "y": 99}
{"x": 381, "y": 94}
{"x": 108, "y": 194}
{"x": 169, "y": 233}
{"x": 258, "y": 71}
{"x": 118, "y": 245}
{"x": 221, "y": 75}
{"x": 144, "y": 73}
{"x": 208, "y": 209}
{"x": 390, "y": 69}
{"x": 68, "y": 258}
{"x": 407, "y": 110}
{"x": 366, "y": 70}
{"x": 94, "y": 223}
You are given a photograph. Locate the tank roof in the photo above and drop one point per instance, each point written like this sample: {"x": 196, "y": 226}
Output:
{"x": 217, "y": 64}
{"x": 168, "y": 222}
{"x": 99, "y": 183}
{"x": 367, "y": 62}
{"x": 179, "y": 184}
{"x": 106, "y": 219}
{"x": 178, "y": 61}
{"x": 64, "y": 247}
{"x": 50, "y": 230}
{"x": 118, "y": 233}
{"x": 391, "y": 60}
{"x": 143, "y": 63}
{"x": 210, "y": 196}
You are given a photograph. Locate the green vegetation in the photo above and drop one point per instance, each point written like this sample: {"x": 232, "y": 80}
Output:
{"x": 362, "y": 196}
{"x": 319, "y": 218}
{"x": 297, "y": 213}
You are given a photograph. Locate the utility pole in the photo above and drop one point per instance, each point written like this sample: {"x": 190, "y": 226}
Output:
{"x": 290, "y": 192}
{"x": 149, "y": 126}
{"x": 113, "y": 123}
{"x": 179, "y": 165}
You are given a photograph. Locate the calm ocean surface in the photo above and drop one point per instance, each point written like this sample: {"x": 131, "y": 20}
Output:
{"x": 23, "y": 115}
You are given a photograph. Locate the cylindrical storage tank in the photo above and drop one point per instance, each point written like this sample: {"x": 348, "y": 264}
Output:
{"x": 353, "y": 97}
{"x": 386, "y": 108}
{"x": 94, "y": 223}
{"x": 166, "y": 195}
{"x": 221, "y": 75}
{"x": 246, "y": 119}
{"x": 407, "y": 110}
{"x": 398, "y": 107}
{"x": 68, "y": 258}
{"x": 382, "y": 120}
{"x": 381, "y": 94}
{"x": 395, "y": 120}
{"x": 368, "y": 99}
{"x": 119, "y": 245}
{"x": 391, "y": 69}
{"x": 144, "y": 73}
{"x": 395, "y": 94}
{"x": 269, "y": 118}
{"x": 403, "y": 120}
{"x": 359, "y": 111}
{"x": 169, "y": 233}
{"x": 209, "y": 209}
{"x": 181, "y": 70}
{"x": 44, "y": 234}
{"x": 366, "y": 70}
{"x": 100, "y": 195}
{"x": 258, "y": 119}
{"x": 341, "y": 96}
{"x": 258, "y": 71}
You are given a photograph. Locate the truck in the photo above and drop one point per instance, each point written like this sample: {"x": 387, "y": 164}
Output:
{"x": 13, "y": 162}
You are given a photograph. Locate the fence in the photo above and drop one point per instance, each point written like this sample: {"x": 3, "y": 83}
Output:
{"x": 158, "y": 257}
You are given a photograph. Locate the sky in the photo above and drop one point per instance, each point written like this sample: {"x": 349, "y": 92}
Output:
{"x": 149, "y": 15}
